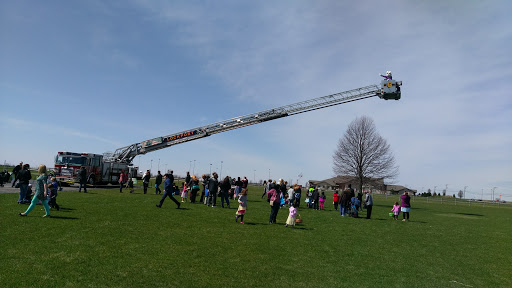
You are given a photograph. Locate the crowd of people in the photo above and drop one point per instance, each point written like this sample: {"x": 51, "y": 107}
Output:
{"x": 277, "y": 193}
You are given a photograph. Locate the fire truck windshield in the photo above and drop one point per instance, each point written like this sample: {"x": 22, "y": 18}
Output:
{"x": 63, "y": 160}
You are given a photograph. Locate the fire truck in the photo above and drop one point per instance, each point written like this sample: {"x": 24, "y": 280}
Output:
{"x": 106, "y": 168}
{"x": 99, "y": 169}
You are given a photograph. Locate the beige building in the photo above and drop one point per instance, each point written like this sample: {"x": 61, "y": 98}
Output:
{"x": 376, "y": 185}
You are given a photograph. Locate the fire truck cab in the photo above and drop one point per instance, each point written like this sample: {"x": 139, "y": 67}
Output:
{"x": 99, "y": 171}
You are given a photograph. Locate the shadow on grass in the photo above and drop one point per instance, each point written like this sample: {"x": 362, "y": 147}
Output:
{"x": 66, "y": 209}
{"x": 64, "y": 218}
{"x": 266, "y": 224}
{"x": 470, "y": 214}
{"x": 300, "y": 228}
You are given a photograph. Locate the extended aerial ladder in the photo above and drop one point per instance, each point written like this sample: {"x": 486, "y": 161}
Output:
{"x": 389, "y": 89}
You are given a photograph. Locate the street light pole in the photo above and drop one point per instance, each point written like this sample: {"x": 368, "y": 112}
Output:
{"x": 194, "y": 170}
{"x": 465, "y": 191}
{"x": 158, "y": 164}
{"x": 210, "y": 169}
{"x": 151, "y": 166}
{"x": 221, "y": 169}
{"x": 493, "y": 193}
{"x": 254, "y": 179}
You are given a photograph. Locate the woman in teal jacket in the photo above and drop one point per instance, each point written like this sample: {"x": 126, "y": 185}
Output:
{"x": 41, "y": 192}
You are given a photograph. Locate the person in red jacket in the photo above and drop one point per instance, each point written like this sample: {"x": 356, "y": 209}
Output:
{"x": 335, "y": 199}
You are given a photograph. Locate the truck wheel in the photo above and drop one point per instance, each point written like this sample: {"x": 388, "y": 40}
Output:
{"x": 92, "y": 181}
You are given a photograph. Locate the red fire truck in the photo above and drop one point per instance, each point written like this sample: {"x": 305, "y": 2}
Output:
{"x": 106, "y": 168}
{"x": 99, "y": 170}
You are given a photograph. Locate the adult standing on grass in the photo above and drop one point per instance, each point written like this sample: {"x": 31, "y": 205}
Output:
{"x": 168, "y": 190}
{"x": 24, "y": 176}
{"x": 41, "y": 193}
{"x": 123, "y": 178}
{"x": 344, "y": 202}
{"x": 158, "y": 182}
{"x": 265, "y": 188}
{"x": 275, "y": 204}
{"x": 194, "y": 188}
{"x": 213, "y": 188}
{"x": 369, "y": 204}
{"x": 316, "y": 198}
{"x": 204, "y": 197}
{"x": 405, "y": 206}
{"x": 187, "y": 179}
{"x": 145, "y": 181}
{"x": 224, "y": 191}
{"x": 83, "y": 180}
{"x": 15, "y": 171}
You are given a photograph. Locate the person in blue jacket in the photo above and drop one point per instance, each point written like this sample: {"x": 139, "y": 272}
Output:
{"x": 168, "y": 191}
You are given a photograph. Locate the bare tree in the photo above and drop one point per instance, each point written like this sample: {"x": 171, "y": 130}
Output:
{"x": 364, "y": 154}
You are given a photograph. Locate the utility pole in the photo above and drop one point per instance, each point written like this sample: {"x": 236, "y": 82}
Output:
{"x": 493, "y": 193}
{"x": 445, "y": 190}
{"x": 465, "y": 191}
{"x": 435, "y": 189}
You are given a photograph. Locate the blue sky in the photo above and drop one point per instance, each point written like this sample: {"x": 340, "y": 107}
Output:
{"x": 93, "y": 76}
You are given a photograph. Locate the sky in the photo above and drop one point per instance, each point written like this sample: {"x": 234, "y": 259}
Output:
{"x": 94, "y": 76}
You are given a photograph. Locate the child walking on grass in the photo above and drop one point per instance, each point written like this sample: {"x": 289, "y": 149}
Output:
{"x": 395, "y": 210}
{"x": 184, "y": 193}
{"x": 321, "y": 201}
{"x": 52, "y": 196}
{"x": 291, "y": 216}
{"x": 242, "y": 206}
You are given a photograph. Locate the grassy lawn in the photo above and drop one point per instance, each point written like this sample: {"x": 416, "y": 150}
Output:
{"x": 108, "y": 239}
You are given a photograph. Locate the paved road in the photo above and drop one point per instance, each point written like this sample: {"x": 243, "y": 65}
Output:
{"x": 8, "y": 189}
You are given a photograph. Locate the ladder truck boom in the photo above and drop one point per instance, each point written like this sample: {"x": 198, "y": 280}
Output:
{"x": 388, "y": 89}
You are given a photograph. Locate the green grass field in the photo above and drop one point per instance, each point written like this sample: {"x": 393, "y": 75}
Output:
{"x": 108, "y": 239}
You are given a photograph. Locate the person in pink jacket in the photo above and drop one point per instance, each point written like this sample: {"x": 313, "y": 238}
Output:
{"x": 395, "y": 210}
{"x": 123, "y": 178}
